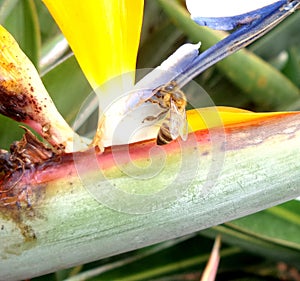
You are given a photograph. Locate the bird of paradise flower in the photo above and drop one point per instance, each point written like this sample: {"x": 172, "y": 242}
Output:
{"x": 121, "y": 40}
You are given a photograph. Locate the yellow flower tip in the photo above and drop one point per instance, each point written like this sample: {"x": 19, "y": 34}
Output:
{"x": 205, "y": 118}
{"x": 24, "y": 98}
{"x": 104, "y": 35}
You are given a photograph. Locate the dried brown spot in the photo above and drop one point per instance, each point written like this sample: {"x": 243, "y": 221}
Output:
{"x": 19, "y": 213}
{"x": 17, "y": 102}
{"x": 13, "y": 104}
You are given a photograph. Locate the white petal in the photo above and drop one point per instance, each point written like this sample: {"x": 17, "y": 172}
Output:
{"x": 228, "y": 14}
{"x": 225, "y": 8}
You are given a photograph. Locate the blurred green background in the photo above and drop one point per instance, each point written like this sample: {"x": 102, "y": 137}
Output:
{"x": 264, "y": 246}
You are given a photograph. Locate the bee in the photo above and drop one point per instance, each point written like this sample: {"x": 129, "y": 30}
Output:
{"x": 170, "y": 98}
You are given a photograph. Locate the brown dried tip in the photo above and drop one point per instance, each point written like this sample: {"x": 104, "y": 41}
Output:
{"x": 24, "y": 98}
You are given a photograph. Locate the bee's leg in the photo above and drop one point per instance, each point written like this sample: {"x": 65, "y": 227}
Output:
{"x": 157, "y": 117}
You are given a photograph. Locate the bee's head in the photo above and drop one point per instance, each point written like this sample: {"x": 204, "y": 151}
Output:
{"x": 169, "y": 88}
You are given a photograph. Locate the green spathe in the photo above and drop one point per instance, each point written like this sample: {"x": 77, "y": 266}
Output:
{"x": 260, "y": 170}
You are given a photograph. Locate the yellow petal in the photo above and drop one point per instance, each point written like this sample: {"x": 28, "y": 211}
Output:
{"x": 104, "y": 35}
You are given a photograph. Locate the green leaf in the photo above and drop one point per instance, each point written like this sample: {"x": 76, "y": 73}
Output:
{"x": 9, "y": 132}
{"x": 292, "y": 68}
{"x": 68, "y": 87}
{"x": 273, "y": 233}
{"x": 23, "y": 24}
{"x": 282, "y": 37}
{"x": 6, "y": 6}
{"x": 48, "y": 27}
{"x": 164, "y": 41}
{"x": 179, "y": 256}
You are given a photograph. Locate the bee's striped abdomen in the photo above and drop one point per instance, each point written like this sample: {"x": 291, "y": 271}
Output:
{"x": 164, "y": 135}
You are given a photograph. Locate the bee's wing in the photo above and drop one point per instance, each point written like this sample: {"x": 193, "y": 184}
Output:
{"x": 184, "y": 129}
{"x": 178, "y": 123}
